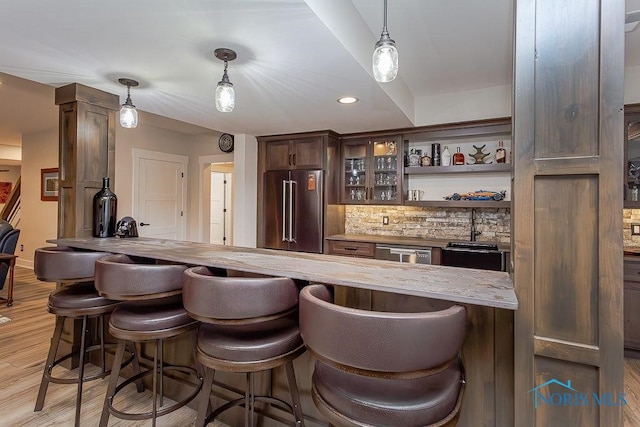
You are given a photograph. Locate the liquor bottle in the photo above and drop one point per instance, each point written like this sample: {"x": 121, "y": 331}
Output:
{"x": 446, "y": 156}
{"x": 501, "y": 153}
{"x": 435, "y": 154}
{"x": 105, "y": 204}
{"x": 458, "y": 157}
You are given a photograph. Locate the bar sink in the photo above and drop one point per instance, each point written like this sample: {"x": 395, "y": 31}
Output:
{"x": 481, "y": 255}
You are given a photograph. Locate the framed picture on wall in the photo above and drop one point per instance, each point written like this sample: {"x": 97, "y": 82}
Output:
{"x": 49, "y": 184}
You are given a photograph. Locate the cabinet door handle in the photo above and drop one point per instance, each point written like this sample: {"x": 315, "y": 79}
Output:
{"x": 350, "y": 248}
{"x": 294, "y": 159}
{"x": 290, "y": 155}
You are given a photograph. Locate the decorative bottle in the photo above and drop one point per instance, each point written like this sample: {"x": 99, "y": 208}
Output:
{"x": 105, "y": 204}
{"x": 458, "y": 157}
{"x": 446, "y": 156}
{"x": 501, "y": 153}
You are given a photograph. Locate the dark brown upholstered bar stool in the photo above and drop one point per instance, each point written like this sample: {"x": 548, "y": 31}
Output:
{"x": 249, "y": 325}
{"x": 78, "y": 300}
{"x": 383, "y": 369}
{"x": 152, "y": 311}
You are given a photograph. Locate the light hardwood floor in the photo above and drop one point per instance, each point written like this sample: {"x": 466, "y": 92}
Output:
{"x": 24, "y": 343}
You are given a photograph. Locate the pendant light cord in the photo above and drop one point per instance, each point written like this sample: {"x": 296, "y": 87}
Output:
{"x": 384, "y": 26}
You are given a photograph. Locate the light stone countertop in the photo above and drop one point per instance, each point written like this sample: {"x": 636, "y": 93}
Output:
{"x": 462, "y": 285}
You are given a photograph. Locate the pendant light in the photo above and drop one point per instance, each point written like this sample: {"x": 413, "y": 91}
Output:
{"x": 128, "y": 112}
{"x": 385, "y": 55}
{"x": 225, "y": 94}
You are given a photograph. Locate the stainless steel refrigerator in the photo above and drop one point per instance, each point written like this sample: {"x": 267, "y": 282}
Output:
{"x": 293, "y": 203}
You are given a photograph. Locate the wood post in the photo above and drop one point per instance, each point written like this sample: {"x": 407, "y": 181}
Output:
{"x": 567, "y": 212}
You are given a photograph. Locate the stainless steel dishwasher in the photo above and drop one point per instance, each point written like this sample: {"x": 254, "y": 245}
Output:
{"x": 412, "y": 255}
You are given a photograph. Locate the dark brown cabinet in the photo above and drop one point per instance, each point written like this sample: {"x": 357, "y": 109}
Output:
{"x": 632, "y": 307}
{"x": 355, "y": 249}
{"x": 372, "y": 171}
{"x": 299, "y": 153}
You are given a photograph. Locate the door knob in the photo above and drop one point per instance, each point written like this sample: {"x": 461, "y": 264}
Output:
{"x": 142, "y": 224}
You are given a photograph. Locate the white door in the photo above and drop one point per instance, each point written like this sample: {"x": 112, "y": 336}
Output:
{"x": 220, "y": 222}
{"x": 158, "y": 197}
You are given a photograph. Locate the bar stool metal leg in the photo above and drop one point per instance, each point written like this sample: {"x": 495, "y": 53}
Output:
{"x": 51, "y": 357}
{"x": 295, "y": 396}
{"x": 83, "y": 347}
{"x": 113, "y": 382}
{"x": 204, "y": 398}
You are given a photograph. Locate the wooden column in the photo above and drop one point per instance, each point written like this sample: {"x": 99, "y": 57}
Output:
{"x": 567, "y": 211}
{"x": 87, "y": 121}
{"x": 87, "y": 153}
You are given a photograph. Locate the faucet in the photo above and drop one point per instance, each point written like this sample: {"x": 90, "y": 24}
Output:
{"x": 474, "y": 232}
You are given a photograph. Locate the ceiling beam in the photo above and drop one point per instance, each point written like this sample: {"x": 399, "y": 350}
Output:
{"x": 345, "y": 22}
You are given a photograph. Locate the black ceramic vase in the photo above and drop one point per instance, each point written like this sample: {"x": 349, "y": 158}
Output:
{"x": 105, "y": 204}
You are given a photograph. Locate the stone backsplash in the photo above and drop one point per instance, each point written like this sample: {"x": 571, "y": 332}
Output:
{"x": 413, "y": 221}
{"x": 630, "y": 216}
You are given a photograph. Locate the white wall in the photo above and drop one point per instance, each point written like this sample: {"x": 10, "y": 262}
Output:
{"x": 245, "y": 194}
{"x": 165, "y": 140}
{"x": 632, "y": 85}
{"x": 39, "y": 219}
{"x": 464, "y": 106}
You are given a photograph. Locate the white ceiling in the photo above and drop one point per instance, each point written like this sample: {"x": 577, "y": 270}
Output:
{"x": 295, "y": 58}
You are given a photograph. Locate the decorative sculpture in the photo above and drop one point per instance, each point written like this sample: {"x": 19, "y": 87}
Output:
{"x": 479, "y": 155}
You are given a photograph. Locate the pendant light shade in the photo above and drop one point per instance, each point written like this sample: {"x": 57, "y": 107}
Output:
{"x": 385, "y": 55}
{"x": 128, "y": 112}
{"x": 225, "y": 93}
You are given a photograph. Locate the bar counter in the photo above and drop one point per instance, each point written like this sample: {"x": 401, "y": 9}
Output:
{"x": 488, "y": 296}
{"x": 468, "y": 286}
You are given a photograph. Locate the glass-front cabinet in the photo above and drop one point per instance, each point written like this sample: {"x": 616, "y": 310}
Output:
{"x": 372, "y": 171}
{"x": 632, "y": 156}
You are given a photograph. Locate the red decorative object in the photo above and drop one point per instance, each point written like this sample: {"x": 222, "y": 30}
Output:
{"x": 5, "y": 191}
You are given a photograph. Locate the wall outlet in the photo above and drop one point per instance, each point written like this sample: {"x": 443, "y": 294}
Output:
{"x": 385, "y": 220}
{"x": 635, "y": 229}
{"x": 21, "y": 248}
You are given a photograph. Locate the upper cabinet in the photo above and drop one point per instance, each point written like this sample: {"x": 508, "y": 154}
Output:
{"x": 448, "y": 165}
{"x": 297, "y": 153}
{"x": 372, "y": 170}
{"x": 632, "y": 156}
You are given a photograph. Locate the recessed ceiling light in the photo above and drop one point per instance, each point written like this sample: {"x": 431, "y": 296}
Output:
{"x": 348, "y": 100}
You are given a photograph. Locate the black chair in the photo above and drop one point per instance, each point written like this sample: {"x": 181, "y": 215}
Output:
{"x": 8, "y": 242}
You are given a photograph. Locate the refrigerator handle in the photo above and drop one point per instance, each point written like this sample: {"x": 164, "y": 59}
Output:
{"x": 284, "y": 210}
{"x": 292, "y": 238}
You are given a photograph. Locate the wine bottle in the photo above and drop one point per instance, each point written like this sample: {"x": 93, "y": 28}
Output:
{"x": 458, "y": 157}
{"x": 105, "y": 204}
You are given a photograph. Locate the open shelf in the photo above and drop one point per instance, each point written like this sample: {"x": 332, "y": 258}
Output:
{"x": 460, "y": 203}
{"x": 481, "y": 168}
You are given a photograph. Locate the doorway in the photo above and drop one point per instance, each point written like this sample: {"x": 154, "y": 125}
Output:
{"x": 220, "y": 213}
{"x": 221, "y": 204}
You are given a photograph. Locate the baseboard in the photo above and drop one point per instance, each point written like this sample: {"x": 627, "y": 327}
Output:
{"x": 25, "y": 263}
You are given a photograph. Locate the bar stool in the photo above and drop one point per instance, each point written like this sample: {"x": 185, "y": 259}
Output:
{"x": 249, "y": 325}
{"x": 152, "y": 311}
{"x": 383, "y": 369}
{"x": 77, "y": 300}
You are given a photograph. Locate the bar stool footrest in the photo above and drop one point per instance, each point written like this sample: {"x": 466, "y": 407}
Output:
{"x": 278, "y": 403}
{"x": 149, "y": 415}
{"x": 99, "y": 375}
